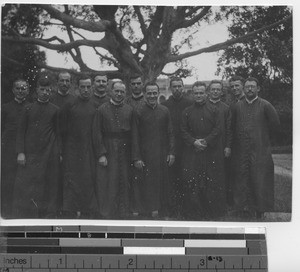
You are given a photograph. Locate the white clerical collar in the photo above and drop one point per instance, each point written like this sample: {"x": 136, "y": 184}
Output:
{"x": 100, "y": 96}
{"x": 251, "y": 101}
{"x": 63, "y": 94}
{"x": 214, "y": 101}
{"x": 19, "y": 101}
{"x": 43, "y": 102}
{"x": 137, "y": 96}
{"x": 115, "y": 103}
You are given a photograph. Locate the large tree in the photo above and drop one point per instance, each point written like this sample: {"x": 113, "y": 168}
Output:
{"x": 135, "y": 39}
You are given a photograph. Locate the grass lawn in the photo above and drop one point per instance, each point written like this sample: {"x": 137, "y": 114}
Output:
{"x": 283, "y": 182}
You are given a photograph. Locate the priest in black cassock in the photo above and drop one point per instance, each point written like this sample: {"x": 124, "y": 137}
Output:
{"x": 237, "y": 89}
{"x": 38, "y": 149}
{"x": 203, "y": 172}
{"x": 100, "y": 89}
{"x": 79, "y": 177}
{"x": 136, "y": 100}
{"x": 156, "y": 140}
{"x": 63, "y": 98}
{"x": 10, "y": 115}
{"x": 116, "y": 145}
{"x": 176, "y": 103}
{"x": 215, "y": 91}
{"x": 256, "y": 120}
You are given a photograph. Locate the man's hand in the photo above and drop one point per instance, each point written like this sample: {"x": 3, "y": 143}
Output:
{"x": 227, "y": 152}
{"x": 139, "y": 164}
{"x": 170, "y": 159}
{"x": 200, "y": 144}
{"x": 103, "y": 161}
{"x": 21, "y": 159}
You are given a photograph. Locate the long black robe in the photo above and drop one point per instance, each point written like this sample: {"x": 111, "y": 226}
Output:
{"x": 10, "y": 115}
{"x": 156, "y": 143}
{"x": 115, "y": 136}
{"x": 176, "y": 107}
{"x": 203, "y": 171}
{"x": 64, "y": 102}
{"x": 99, "y": 100}
{"x": 136, "y": 205}
{"x": 136, "y": 103}
{"x": 36, "y": 187}
{"x": 225, "y": 141}
{"x": 254, "y": 164}
{"x": 79, "y": 176}
{"x": 231, "y": 171}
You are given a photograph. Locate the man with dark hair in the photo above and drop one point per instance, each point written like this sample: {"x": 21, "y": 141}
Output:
{"x": 63, "y": 99}
{"x": 116, "y": 146}
{"x": 176, "y": 104}
{"x": 10, "y": 116}
{"x": 79, "y": 177}
{"x": 63, "y": 95}
{"x": 215, "y": 90}
{"x": 237, "y": 85}
{"x": 136, "y": 99}
{"x": 255, "y": 120}
{"x": 100, "y": 89}
{"x": 38, "y": 149}
{"x": 157, "y": 153}
{"x": 202, "y": 166}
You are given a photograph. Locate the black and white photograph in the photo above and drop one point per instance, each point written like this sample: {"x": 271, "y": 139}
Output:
{"x": 134, "y": 112}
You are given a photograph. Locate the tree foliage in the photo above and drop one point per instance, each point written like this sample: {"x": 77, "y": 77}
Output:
{"x": 268, "y": 57}
{"x": 19, "y": 60}
{"x": 134, "y": 39}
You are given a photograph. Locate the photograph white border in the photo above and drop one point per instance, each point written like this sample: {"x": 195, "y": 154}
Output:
{"x": 283, "y": 238}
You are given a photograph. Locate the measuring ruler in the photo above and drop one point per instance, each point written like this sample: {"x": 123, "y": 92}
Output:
{"x": 132, "y": 249}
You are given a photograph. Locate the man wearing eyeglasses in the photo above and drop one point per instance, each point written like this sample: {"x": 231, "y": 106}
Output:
{"x": 255, "y": 120}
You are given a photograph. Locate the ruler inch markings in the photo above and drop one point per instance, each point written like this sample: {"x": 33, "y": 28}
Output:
{"x": 223, "y": 257}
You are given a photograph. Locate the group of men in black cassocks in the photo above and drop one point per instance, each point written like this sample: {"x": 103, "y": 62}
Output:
{"x": 105, "y": 155}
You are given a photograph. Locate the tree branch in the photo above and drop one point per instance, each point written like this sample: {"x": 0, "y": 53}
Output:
{"x": 41, "y": 65}
{"x": 154, "y": 26}
{"x": 141, "y": 19}
{"x": 77, "y": 58}
{"x": 54, "y": 38}
{"x": 59, "y": 47}
{"x": 192, "y": 11}
{"x": 195, "y": 19}
{"x": 100, "y": 26}
{"x": 107, "y": 58}
{"x": 226, "y": 44}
